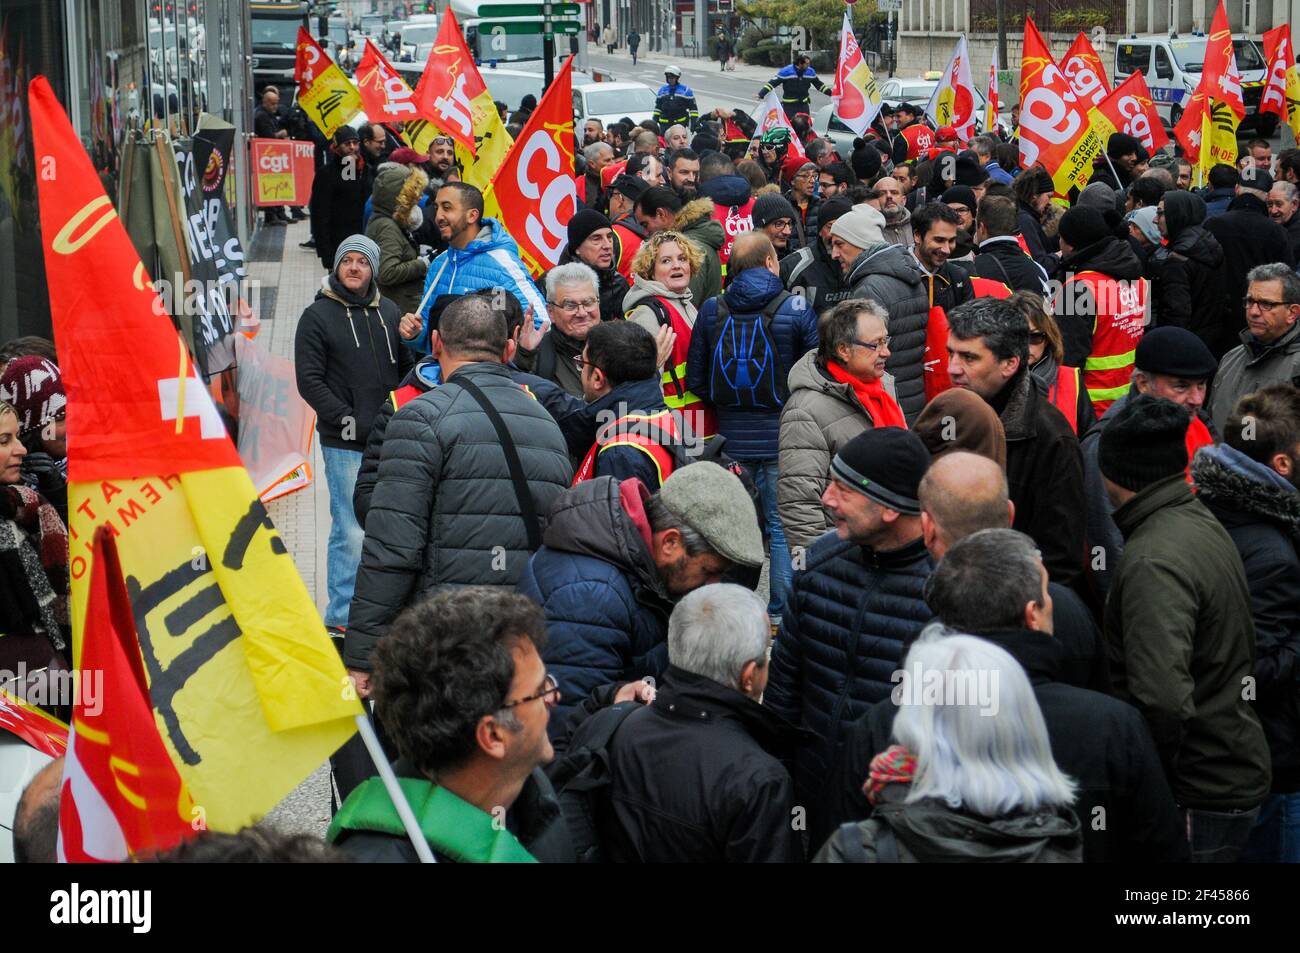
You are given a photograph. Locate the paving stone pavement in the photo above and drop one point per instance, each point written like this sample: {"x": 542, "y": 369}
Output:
{"x": 302, "y": 518}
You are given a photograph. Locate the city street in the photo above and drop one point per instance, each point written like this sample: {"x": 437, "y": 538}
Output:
{"x": 713, "y": 88}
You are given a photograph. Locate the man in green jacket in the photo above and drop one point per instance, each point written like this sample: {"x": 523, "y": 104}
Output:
{"x": 1178, "y": 624}
{"x": 462, "y": 691}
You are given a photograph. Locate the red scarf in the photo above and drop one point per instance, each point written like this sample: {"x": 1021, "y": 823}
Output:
{"x": 883, "y": 409}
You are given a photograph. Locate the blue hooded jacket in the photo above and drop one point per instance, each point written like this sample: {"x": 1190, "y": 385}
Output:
{"x": 751, "y": 433}
{"x": 491, "y": 260}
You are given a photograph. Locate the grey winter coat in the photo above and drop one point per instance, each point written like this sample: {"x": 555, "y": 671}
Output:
{"x": 891, "y": 277}
{"x": 401, "y": 269}
{"x": 820, "y": 416}
{"x": 1250, "y": 366}
{"x": 444, "y": 510}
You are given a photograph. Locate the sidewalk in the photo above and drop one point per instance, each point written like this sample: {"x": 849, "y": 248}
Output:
{"x": 289, "y": 281}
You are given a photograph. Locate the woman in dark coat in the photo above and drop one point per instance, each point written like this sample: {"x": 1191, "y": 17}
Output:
{"x": 1034, "y": 190}
{"x": 1188, "y": 286}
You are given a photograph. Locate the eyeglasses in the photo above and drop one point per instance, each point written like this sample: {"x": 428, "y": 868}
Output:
{"x": 584, "y": 362}
{"x": 443, "y": 141}
{"x": 1260, "y": 303}
{"x": 573, "y": 307}
{"x": 873, "y": 345}
{"x": 1037, "y": 337}
{"x": 550, "y": 688}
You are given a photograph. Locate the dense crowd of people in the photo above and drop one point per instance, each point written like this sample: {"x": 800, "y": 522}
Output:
{"x": 1022, "y": 469}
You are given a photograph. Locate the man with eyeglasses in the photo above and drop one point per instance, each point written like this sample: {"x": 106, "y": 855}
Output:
{"x": 461, "y": 689}
{"x": 592, "y": 242}
{"x": 573, "y": 304}
{"x": 1270, "y": 348}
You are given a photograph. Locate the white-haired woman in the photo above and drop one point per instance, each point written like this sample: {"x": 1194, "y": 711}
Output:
{"x": 971, "y": 778}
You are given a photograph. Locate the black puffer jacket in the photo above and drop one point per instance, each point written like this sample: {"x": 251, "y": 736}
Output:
{"x": 1189, "y": 288}
{"x": 698, "y": 777}
{"x": 1076, "y": 312}
{"x": 1102, "y": 743}
{"x": 842, "y": 637}
{"x": 1045, "y": 477}
{"x": 1002, "y": 259}
{"x": 1249, "y": 238}
{"x": 444, "y": 510}
{"x": 1261, "y": 512}
{"x": 347, "y": 359}
{"x": 891, "y": 277}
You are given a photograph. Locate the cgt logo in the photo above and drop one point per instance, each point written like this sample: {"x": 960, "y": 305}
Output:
{"x": 1136, "y": 123}
{"x": 540, "y": 160}
{"x": 273, "y": 161}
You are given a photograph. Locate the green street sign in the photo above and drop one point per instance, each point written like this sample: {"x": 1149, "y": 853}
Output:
{"x": 519, "y": 27}
{"x": 526, "y": 10}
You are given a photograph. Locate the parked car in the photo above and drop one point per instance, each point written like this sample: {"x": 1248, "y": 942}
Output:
{"x": 610, "y": 102}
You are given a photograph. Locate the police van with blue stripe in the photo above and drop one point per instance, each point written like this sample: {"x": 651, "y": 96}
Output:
{"x": 1172, "y": 67}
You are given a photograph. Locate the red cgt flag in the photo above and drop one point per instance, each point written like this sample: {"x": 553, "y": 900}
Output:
{"x": 449, "y": 84}
{"x": 1082, "y": 67}
{"x": 121, "y": 793}
{"x": 1132, "y": 110}
{"x": 309, "y": 61}
{"x": 385, "y": 95}
{"x": 535, "y": 190}
{"x": 1054, "y": 125}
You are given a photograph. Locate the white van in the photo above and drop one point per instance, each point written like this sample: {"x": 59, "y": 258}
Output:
{"x": 1172, "y": 67}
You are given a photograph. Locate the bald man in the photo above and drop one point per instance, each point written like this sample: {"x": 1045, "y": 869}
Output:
{"x": 963, "y": 493}
{"x": 36, "y": 821}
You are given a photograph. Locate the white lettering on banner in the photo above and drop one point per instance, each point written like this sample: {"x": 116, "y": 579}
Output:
{"x": 1085, "y": 83}
{"x": 1048, "y": 116}
{"x": 557, "y": 190}
{"x": 1275, "y": 88}
{"x": 456, "y": 108}
{"x": 1229, "y": 83}
{"x": 275, "y": 161}
{"x": 1136, "y": 123}
{"x": 313, "y": 56}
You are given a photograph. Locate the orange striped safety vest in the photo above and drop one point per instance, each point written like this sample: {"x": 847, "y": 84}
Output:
{"x": 1116, "y": 329}
{"x": 649, "y": 433}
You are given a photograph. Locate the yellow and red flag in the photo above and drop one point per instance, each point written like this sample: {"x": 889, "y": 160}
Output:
{"x": 991, "y": 104}
{"x": 856, "y": 93}
{"x": 536, "y": 192}
{"x": 1054, "y": 126}
{"x": 452, "y": 97}
{"x": 1207, "y": 130}
{"x": 121, "y": 795}
{"x": 324, "y": 91}
{"x": 1130, "y": 109}
{"x": 248, "y": 693}
{"x": 385, "y": 95}
{"x": 953, "y": 100}
{"x": 1281, "y": 95}
{"x": 1082, "y": 68}
{"x": 38, "y": 728}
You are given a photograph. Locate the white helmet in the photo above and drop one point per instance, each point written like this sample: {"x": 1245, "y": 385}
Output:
{"x": 671, "y": 70}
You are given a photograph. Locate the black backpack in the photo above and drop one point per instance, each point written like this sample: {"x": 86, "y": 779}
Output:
{"x": 581, "y": 776}
{"x": 745, "y": 369}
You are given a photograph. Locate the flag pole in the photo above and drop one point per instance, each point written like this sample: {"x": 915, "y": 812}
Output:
{"x": 390, "y": 782}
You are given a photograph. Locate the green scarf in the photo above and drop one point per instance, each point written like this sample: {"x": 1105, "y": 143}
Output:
{"x": 453, "y": 827}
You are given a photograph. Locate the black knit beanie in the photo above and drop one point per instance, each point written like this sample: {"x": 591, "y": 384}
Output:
{"x": 1145, "y": 442}
{"x": 583, "y": 224}
{"x": 884, "y": 464}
